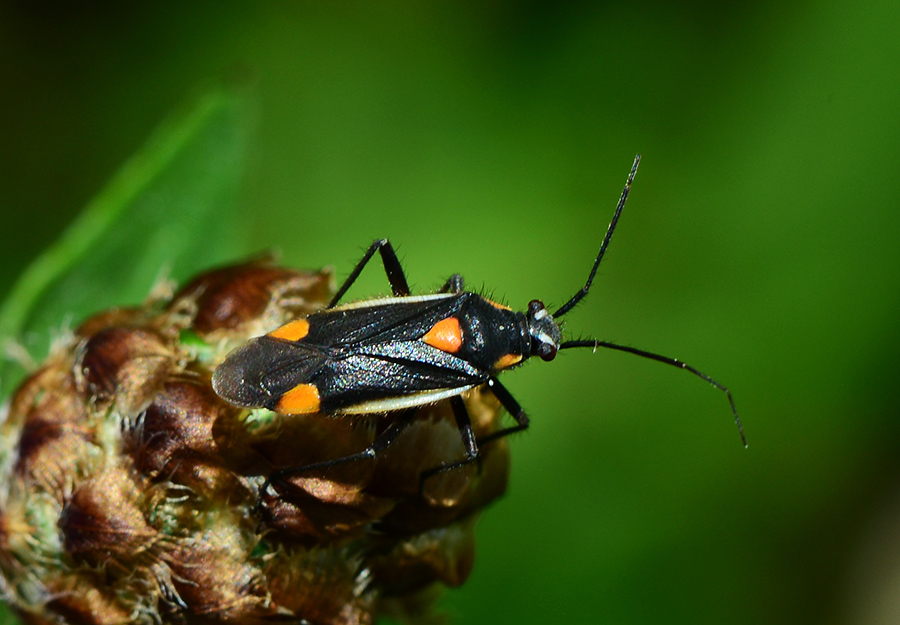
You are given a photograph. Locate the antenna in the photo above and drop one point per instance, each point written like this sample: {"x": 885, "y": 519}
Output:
{"x": 593, "y": 343}
{"x": 609, "y": 232}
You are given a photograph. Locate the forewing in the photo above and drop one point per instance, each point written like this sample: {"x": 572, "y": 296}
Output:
{"x": 400, "y": 319}
{"x": 259, "y": 372}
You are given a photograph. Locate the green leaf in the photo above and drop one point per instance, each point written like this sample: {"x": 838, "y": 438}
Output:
{"x": 169, "y": 211}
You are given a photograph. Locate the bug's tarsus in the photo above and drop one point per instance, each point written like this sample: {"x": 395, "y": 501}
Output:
{"x": 609, "y": 232}
{"x": 392, "y": 267}
{"x": 674, "y": 362}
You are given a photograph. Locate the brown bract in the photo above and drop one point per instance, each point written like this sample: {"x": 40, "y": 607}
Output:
{"x": 130, "y": 491}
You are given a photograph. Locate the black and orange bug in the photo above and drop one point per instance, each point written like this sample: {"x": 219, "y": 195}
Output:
{"x": 404, "y": 351}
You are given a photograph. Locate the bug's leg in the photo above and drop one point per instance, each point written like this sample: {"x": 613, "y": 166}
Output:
{"x": 381, "y": 442}
{"x": 392, "y": 268}
{"x": 512, "y": 407}
{"x": 468, "y": 436}
{"x": 454, "y": 284}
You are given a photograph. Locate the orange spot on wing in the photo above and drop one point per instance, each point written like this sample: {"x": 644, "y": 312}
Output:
{"x": 445, "y": 335}
{"x": 293, "y": 331}
{"x": 302, "y": 399}
{"x": 507, "y": 361}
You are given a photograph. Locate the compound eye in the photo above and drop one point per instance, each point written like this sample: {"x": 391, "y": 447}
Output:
{"x": 534, "y": 306}
{"x": 547, "y": 351}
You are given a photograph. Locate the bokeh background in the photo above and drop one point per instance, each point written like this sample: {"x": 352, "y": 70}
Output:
{"x": 492, "y": 139}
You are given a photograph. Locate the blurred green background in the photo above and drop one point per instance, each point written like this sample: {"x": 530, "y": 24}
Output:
{"x": 760, "y": 244}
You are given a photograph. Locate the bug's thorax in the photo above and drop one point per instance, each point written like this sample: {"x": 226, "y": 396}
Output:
{"x": 494, "y": 337}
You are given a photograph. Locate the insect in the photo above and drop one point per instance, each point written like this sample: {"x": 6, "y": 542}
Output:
{"x": 399, "y": 352}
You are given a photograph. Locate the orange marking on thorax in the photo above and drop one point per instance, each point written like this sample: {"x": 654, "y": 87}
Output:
{"x": 445, "y": 335}
{"x": 302, "y": 399}
{"x": 496, "y": 305}
{"x": 293, "y": 331}
{"x": 507, "y": 361}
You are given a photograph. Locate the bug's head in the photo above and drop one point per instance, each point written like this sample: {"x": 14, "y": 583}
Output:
{"x": 544, "y": 330}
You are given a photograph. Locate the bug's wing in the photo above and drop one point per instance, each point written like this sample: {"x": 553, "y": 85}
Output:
{"x": 387, "y": 376}
{"x": 381, "y": 321}
{"x": 258, "y": 373}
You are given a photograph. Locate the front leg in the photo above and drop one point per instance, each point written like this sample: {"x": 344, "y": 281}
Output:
{"x": 512, "y": 407}
{"x": 454, "y": 284}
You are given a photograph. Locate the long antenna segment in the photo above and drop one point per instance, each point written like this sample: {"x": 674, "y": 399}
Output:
{"x": 609, "y": 232}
